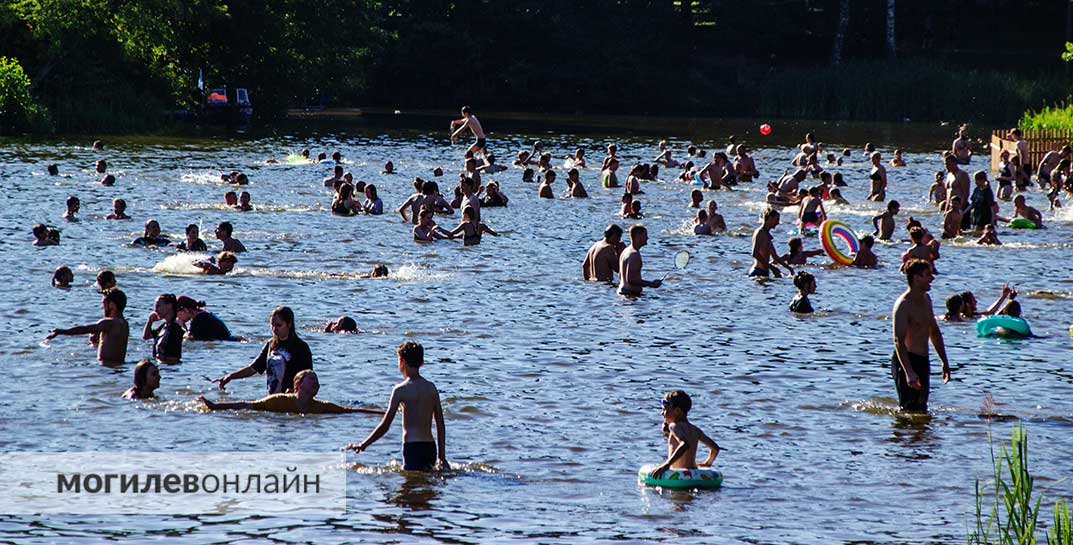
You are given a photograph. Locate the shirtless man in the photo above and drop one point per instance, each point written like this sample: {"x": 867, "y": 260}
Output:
{"x": 470, "y": 121}
{"x": 1022, "y": 146}
{"x": 110, "y": 333}
{"x": 744, "y": 166}
{"x": 914, "y": 324}
{"x": 601, "y": 261}
{"x": 764, "y": 252}
{"x": 959, "y": 185}
{"x": 1047, "y": 164}
{"x": 788, "y": 184}
{"x": 337, "y": 176}
{"x": 961, "y": 148}
{"x": 223, "y": 234}
{"x": 420, "y": 402}
{"x": 629, "y": 264}
{"x": 718, "y": 171}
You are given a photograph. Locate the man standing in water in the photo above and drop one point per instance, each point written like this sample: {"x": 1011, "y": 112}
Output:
{"x": 958, "y": 185}
{"x": 764, "y": 250}
{"x": 470, "y": 120}
{"x": 109, "y": 334}
{"x": 962, "y": 146}
{"x": 601, "y": 262}
{"x": 914, "y": 324}
{"x": 629, "y": 265}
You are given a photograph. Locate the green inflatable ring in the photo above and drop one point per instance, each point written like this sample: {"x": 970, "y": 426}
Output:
{"x": 1022, "y": 223}
{"x": 1002, "y": 326}
{"x": 681, "y": 478}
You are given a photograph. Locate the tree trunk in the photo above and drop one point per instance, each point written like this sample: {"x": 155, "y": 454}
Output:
{"x": 891, "y": 55}
{"x": 840, "y": 32}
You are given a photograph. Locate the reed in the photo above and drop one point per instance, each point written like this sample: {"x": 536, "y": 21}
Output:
{"x": 1010, "y": 516}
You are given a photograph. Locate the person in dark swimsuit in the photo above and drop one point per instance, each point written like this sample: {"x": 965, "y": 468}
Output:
{"x": 471, "y": 229}
{"x": 806, "y": 285}
{"x": 168, "y": 338}
{"x": 203, "y": 325}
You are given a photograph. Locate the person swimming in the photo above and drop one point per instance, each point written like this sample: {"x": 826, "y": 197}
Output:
{"x": 224, "y": 263}
{"x": 342, "y": 324}
{"x": 146, "y": 381}
{"x": 471, "y": 228}
{"x": 806, "y": 285}
{"x": 62, "y": 277}
{"x": 151, "y": 237}
{"x": 301, "y": 401}
{"x": 193, "y": 242}
{"x": 201, "y": 324}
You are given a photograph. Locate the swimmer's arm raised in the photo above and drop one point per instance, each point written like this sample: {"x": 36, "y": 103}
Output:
{"x": 382, "y": 427}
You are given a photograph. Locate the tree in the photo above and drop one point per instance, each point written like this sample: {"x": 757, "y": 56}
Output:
{"x": 840, "y": 32}
{"x": 891, "y": 55}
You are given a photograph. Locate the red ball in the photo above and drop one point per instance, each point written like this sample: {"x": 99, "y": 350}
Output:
{"x": 765, "y": 129}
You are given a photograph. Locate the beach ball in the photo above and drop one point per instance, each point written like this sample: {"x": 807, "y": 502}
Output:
{"x": 765, "y": 129}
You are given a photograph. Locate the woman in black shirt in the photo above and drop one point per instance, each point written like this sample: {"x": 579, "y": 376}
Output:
{"x": 282, "y": 357}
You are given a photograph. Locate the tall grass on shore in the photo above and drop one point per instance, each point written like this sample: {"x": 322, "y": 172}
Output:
{"x": 1056, "y": 117}
{"x": 1010, "y": 517}
{"x": 916, "y": 90}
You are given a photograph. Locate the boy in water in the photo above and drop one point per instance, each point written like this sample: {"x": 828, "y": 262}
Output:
{"x": 545, "y": 191}
{"x": 797, "y": 254}
{"x": 426, "y": 229}
{"x": 119, "y": 210}
{"x": 884, "y": 223}
{"x": 764, "y": 249}
{"x": 1020, "y": 209}
{"x": 898, "y": 161}
{"x": 715, "y": 220}
{"x": 952, "y": 219}
{"x": 105, "y": 281}
{"x": 865, "y": 257}
{"x": 73, "y": 204}
{"x": 223, "y": 234}
{"x": 470, "y": 121}
{"x": 112, "y": 331}
{"x": 244, "y": 202}
{"x": 937, "y": 191}
{"x": 225, "y": 263}
{"x": 682, "y": 436}
{"x": 42, "y": 236}
{"x": 420, "y": 401}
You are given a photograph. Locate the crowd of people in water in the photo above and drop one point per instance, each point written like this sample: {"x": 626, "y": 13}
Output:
{"x": 969, "y": 207}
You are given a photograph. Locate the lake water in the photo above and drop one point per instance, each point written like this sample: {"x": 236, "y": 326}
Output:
{"x": 551, "y": 385}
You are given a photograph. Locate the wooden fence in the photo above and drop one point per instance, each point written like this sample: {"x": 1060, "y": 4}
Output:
{"x": 1039, "y": 142}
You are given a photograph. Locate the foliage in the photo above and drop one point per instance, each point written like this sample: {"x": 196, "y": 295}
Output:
{"x": 1056, "y": 117}
{"x": 18, "y": 109}
{"x": 1011, "y": 516}
{"x": 1067, "y": 55}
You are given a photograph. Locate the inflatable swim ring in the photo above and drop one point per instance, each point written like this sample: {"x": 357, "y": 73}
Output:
{"x": 327, "y": 162}
{"x": 697, "y": 181}
{"x": 830, "y": 229}
{"x": 1022, "y": 223}
{"x": 1002, "y": 326}
{"x": 681, "y": 478}
{"x": 294, "y": 159}
{"x": 809, "y": 230}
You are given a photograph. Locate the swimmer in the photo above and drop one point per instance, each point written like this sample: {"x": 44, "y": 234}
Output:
{"x": 193, "y": 242}
{"x": 101, "y": 166}
{"x": 203, "y": 325}
{"x": 98, "y": 145}
{"x": 579, "y": 158}
{"x": 471, "y": 228}
{"x": 961, "y": 147}
{"x": 112, "y": 331}
{"x": 914, "y": 325}
{"x": 695, "y": 198}
{"x": 493, "y": 197}
{"x": 420, "y": 401}
{"x": 700, "y": 223}
{"x": 878, "y": 188}
{"x": 635, "y": 210}
{"x": 389, "y": 168}
{"x": 664, "y": 156}
{"x": 952, "y": 220}
{"x": 372, "y": 205}
{"x": 601, "y": 261}
{"x": 527, "y": 176}
{"x": 836, "y": 196}
{"x": 744, "y": 166}
{"x": 1005, "y": 177}
{"x": 763, "y": 249}
{"x": 957, "y": 185}
{"x": 230, "y": 199}
{"x": 342, "y": 324}
{"x": 62, "y": 277}
{"x": 982, "y": 201}
{"x": 897, "y": 161}
{"x": 990, "y": 237}
{"x": 322, "y": 157}
{"x": 426, "y": 229}
{"x": 954, "y": 306}
{"x": 223, "y": 234}
{"x": 544, "y": 190}
{"x": 146, "y": 381}
{"x": 105, "y": 281}
{"x": 73, "y": 204}
{"x": 627, "y": 200}
{"x": 471, "y": 172}
{"x": 469, "y": 188}
{"x": 470, "y": 121}
{"x": 305, "y": 387}
{"x": 683, "y": 437}
{"x": 337, "y": 176}
{"x": 379, "y": 271}
{"x": 544, "y": 163}
{"x": 168, "y": 338}
{"x": 240, "y": 179}
{"x": 574, "y": 189}
{"x": 937, "y": 191}
{"x": 337, "y": 157}
{"x": 788, "y": 184}
{"x": 920, "y": 250}
{"x": 281, "y": 358}
{"x": 489, "y": 166}
{"x": 119, "y": 210}
{"x": 225, "y": 263}
{"x": 715, "y": 219}
{"x": 524, "y": 159}
{"x": 413, "y": 202}
{"x": 884, "y": 223}
{"x": 969, "y": 310}
{"x": 344, "y": 203}
{"x": 811, "y": 210}
{"x": 108, "y": 180}
{"x": 806, "y": 285}
{"x": 633, "y": 180}
{"x": 797, "y": 255}
{"x": 631, "y": 283}
{"x": 838, "y": 180}
{"x": 244, "y": 202}
{"x": 42, "y": 236}
{"x": 151, "y": 236}
{"x": 1020, "y": 209}
{"x": 865, "y": 257}
{"x": 608, "y": 176}
{"x": 53, "y": 170}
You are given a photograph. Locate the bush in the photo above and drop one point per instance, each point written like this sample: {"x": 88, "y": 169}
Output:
{"x": 1057, "y": 117}
{"x": 18, "y": 109}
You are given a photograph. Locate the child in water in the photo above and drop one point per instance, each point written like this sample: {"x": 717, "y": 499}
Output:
{"x": 301, "y": 401}
{"x": 701, "y": 226}
{"x": 635, "y": 211}
{"x": 105, "y": 281}
{"x": 471, "y": 228}
{"x": 63, "y": 277}
{"x": 806, "y": 285}
{"x": 954, "y": 307}
{"x": 43, "y": 236}
{"x": 990, "y": 236}
{"x": 225, "y": 263}
{"x": 119, "y": 210}
{"x": 73, "y": 204}
{"x": 682, "y": 436}
{"x": 865, "y": 257}
{"x": 146, "y": 381}
{"x": 797, "y": 255}
{"x": 545, "y": 190}
{"x": 715, "y": 219}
